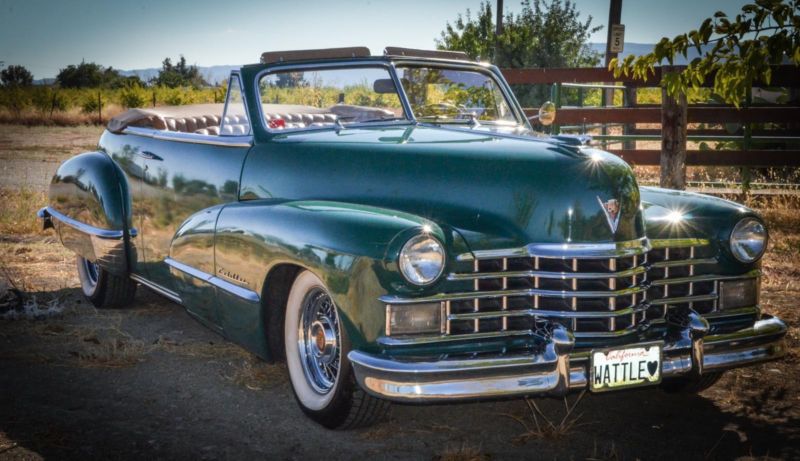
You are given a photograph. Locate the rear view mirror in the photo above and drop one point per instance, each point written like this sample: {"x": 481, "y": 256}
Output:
{"x": 384, "y": 86}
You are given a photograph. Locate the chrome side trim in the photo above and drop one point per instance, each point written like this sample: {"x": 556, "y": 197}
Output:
{"x": 224, "y": 141}
{"x": 564, "y": 250}
{"x": 86, "y": 228}
{"x": 169, "y": 294}
{"x": 508, "y": 293}
{"x": 236, "y": 290}
{"x": 545, "y": 275}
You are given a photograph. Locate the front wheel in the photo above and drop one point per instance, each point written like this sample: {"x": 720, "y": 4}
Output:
{"x": 102, "y": 288}
{"x": 316, "y": 355}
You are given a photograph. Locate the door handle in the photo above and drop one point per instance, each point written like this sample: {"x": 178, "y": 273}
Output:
{"x": 149, "y": 155}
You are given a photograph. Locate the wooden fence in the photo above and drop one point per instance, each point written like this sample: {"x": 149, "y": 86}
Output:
{"x": 750, "y": 127}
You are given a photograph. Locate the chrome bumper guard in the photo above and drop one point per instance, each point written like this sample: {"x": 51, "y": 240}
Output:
{"x": 557, "y": 370}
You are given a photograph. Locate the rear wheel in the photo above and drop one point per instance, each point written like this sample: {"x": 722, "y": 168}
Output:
{"x": 691, "y": 385}
{"x": 102, "y": 288}
{"x": 316, "y": 355}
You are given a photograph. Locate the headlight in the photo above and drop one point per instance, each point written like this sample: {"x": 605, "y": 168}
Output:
{"x": 422, "y": 260}
{"x": 748, "y": 240}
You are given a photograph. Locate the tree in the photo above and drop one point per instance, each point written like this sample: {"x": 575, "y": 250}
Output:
{"x": 180, "y": 74}
{"x": 16, "y": 76}
{"x": 542, "y": 35}
{"x": 736, "y": 52}
{"x": 92, "y": 75}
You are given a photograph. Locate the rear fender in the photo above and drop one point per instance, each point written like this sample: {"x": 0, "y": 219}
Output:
{"x": 89, "y": 206}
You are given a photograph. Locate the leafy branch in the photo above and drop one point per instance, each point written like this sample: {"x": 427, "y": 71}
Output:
{"x": 743, "y": 50}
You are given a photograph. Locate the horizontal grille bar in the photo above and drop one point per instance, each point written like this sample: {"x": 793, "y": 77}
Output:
{"x": 548, "y": 275}
{"x": 515, "y": 293}
{"x": 544, "y": 313}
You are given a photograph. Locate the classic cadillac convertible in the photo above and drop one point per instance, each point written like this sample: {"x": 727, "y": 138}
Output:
{"x": 393, "y": 228}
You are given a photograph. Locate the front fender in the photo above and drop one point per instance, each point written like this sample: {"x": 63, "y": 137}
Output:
{"x": 351, "y": 248}
{"x": 89, "y": 205}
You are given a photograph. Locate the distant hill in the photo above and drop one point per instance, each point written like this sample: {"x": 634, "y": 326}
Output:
{"x": 217, "y": 74}
{"x": 212, "y": 74}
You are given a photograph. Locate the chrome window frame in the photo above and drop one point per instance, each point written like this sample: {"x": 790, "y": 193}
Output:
{"x": 350, "y": 64}
{"x": 237, "y": 75}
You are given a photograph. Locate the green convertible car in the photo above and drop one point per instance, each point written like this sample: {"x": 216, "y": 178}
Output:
{"x": 393, "y": 228}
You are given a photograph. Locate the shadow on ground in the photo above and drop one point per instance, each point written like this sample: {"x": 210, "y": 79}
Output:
{"x": 168, "y": 388}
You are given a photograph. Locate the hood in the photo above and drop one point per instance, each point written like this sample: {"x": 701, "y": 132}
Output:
{"x": 497, "y": 191}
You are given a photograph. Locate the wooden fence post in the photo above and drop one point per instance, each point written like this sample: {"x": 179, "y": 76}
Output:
{"x": 673, "y": 141}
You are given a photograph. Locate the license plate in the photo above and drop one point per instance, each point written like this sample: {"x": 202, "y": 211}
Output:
{"x": 617, "y": 368}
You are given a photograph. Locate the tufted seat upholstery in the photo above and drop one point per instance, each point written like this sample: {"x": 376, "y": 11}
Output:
{"x": 302, "y": 120}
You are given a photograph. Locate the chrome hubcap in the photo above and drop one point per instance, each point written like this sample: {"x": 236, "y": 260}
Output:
{"x": 319, "y": 340}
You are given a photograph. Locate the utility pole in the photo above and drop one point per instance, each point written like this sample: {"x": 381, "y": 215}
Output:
{"x": 614, "y": 17}
{"x": 498, "y": 31}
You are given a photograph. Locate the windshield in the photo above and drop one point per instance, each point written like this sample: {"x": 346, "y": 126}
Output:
{"x": 329, "y": 97}
{"x": 455, "y": 96}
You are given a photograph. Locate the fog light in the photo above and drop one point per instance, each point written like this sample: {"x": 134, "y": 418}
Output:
{"x": 413, "y": 319}
{"x": 738, "y": 293}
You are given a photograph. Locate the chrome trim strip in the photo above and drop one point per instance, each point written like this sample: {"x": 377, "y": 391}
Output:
{"x": 179, "y": 136}
{"x": 445, "y": 338}
{"x": 545, "y": 275}
{"x": 169, "y": 294}
{"x": 682, "y": 299}
{"x": 564, "y": 250}
{"x": 543, "y": 313}
{"x": 683, "y": 262}
{"x": 86, "y": 228}
{"x": 755, "y": 273}
{"x": 529, "y": 292}
{"x": 236, "y": 290}
{"x": 678, "y": 243}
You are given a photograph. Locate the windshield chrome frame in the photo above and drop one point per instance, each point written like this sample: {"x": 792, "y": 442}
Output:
{"x": 391, "y": 64}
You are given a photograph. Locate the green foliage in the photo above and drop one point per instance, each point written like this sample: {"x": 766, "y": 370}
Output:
{"x": 762, "y": 35}
{"x": 541, "y": 35}
{"x": 91, "y": 75}
{"x": 178, "y": 75}
{"x": 47, "y": 100}
{"x": 16, "y": 76}
{"x": 134, "y": 96}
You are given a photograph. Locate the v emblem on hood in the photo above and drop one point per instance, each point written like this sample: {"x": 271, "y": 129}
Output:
{"x": 611, "y": 209}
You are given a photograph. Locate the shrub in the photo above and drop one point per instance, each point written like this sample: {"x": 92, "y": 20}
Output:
{"x": 132, "y": 97}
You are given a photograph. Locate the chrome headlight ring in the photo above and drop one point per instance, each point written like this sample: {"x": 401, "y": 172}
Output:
{"x": 748, "y": 240}
{"x": 422, "y": 259}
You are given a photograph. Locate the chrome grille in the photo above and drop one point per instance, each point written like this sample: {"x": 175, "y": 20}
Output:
{"x": 675, "y": 279}
{"x": 592, "y": 295}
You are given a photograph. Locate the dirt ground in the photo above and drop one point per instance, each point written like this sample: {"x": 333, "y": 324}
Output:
{"x": 149, "y": 381}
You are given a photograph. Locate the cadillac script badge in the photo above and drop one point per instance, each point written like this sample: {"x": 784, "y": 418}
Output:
{"x": 611, "y": 210}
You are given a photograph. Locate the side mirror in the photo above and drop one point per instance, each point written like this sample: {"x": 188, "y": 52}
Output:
{"x": 547, "y": 114}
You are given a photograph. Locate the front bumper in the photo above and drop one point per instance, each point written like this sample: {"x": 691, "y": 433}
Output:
{"x": 557, "y": 370}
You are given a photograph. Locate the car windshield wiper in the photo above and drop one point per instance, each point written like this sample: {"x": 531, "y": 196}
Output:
{"x": 381, "y": 119}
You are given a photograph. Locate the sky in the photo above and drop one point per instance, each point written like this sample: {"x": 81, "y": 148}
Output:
{"x": 46, "y": 36}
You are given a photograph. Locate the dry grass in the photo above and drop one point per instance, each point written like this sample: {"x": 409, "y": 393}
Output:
{"x": 72, "y": 117}
{"x": 462, "y": 452}
{"x": 538, "y": 425}
{"x": 257, "y": 375}
{"x": 18, "y": 211}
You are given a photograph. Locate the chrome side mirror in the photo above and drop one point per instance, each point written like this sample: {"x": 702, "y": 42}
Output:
{"x": 547, "y": 113}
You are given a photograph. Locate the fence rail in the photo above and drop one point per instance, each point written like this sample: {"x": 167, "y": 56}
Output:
{"x": 774, "y": 141}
